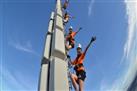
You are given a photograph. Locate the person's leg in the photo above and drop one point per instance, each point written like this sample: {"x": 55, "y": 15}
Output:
{"x": 64, "y": 6}
{"x": 68, "y": 47}
{"x": 81, "y": 78}
{"x": 74, "y": 81}
{"x": 65, "y": 22}
{"x": 81, "y": 84}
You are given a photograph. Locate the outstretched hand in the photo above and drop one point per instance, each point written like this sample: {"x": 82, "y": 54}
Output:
{"x": 80, "y": 28}
{"x": 72, "y": 17}
{"x": 93, "y": 39}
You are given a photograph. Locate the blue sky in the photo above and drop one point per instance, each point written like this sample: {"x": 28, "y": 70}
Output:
{"x": 109, "y": 62}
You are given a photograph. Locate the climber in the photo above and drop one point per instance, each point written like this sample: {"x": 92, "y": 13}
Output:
{"x": 66, "y": 18}
{"x": 70, "y": 41}
{"x": 65, "y": 5}
{"x": 78, "y": 79}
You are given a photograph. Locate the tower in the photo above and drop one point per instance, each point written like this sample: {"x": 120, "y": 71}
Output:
{"x": 53, "y": 72}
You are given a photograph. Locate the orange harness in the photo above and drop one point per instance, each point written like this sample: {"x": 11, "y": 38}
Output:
{"x": 66, "y": 17}
{"x": 78, "y": 62}
{"x": 65, "y": 5}
{"x": 70, "y": 37}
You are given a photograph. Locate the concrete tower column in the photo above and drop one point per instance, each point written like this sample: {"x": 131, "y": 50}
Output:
{"x": 58, "y": 66}
{"x": 44, "y": 71}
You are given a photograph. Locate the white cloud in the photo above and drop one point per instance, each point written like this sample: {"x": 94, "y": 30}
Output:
{"x": 23, "y": 46}
{"x": 16, "y": 80}
{"x": 132, "y": 25}
{"x": 104, "y": 85}
{"x": 130, "y": 49}
{"x": 9, "y": 78}
{"x": 90, "y": 7}
{"x": 130, "y": 52}
{"x": 107, "y": 85}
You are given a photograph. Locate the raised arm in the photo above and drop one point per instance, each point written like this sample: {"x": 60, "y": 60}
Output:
{"x": 67, "y": 0}
{"x": 72, "y": 17}
{"x": 92, "y": 40}
{"x": 76, "y": 32}
{"x": 73, "y": 62}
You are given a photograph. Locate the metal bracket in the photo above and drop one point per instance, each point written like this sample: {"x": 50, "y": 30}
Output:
{"x": 51, "y": 19}
{"x": 49, "y": 33}
{"x": 45, "y": 61}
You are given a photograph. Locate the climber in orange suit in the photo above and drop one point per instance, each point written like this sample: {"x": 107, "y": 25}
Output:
{"x": 70, "y": 41}
{"x": 65, "y": 5}
{"x": 66, "y": 18}
{"x": 78, "y": 79}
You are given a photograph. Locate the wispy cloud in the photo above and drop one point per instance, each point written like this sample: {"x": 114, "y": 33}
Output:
{"x": 16, "y": 80}
{"x": 104, "y": 85}
{"x": 130, "y": 49}
{"x": 130, "y": 52}
{"x": 90, "y": 7}
{"x": 131, "y": 7}
{"x": 10, "y": 80}
{"x": 23, "y": 46}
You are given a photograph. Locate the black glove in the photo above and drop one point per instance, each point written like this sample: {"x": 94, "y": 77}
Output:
{"x": 80, "y": 28}
{"x": 93, "y": 39}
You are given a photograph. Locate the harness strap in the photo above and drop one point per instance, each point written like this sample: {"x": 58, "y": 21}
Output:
{"x": 78, "y": 66}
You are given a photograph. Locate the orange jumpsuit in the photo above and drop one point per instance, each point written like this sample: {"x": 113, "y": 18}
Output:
{"x": 79, "y": 59}
{"x": 70, "y": 38}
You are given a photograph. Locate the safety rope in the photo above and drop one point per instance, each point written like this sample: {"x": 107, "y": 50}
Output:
{"x": 69, "y": 66}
